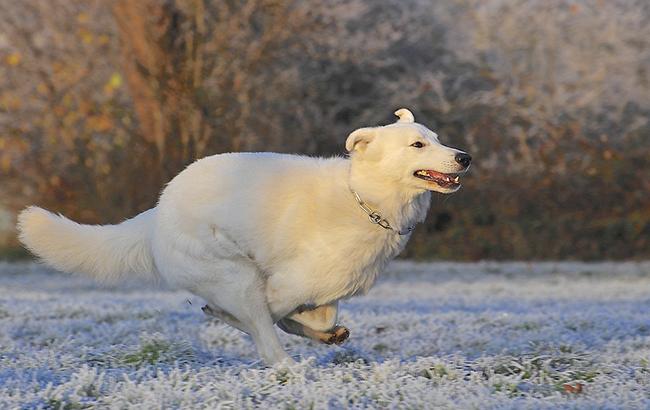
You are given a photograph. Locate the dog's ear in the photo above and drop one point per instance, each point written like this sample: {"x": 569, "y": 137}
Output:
{"x": 405, "y": 115}
{"x": 359, "y": 139}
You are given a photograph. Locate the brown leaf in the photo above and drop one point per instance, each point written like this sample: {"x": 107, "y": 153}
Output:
{"x": 574, "y": 389}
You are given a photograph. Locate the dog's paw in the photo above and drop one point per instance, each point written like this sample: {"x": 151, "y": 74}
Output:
{"x": 339, "y": 335}
{"x": 210, "y": 312}
{"x": 342, "y": 333}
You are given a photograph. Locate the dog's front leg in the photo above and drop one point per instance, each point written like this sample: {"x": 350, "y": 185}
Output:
{"x": 318, "y": 324}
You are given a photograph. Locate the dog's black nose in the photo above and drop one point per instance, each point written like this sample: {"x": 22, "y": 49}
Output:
{"x": 463, "y": 159}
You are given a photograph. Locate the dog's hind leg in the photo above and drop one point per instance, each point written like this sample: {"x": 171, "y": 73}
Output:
{"x": 318, "y": 323}
{"x": 240, "y": 300}
{"x": 221, "y": 314}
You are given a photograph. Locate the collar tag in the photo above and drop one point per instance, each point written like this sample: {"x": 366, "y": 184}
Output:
{"x": 376, "y": 218}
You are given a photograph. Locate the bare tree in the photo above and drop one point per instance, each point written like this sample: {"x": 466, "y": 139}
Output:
{"x": 196, "y": 69}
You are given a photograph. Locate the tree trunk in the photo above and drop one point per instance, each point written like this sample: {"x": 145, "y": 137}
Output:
{"x": 163, "y": 65}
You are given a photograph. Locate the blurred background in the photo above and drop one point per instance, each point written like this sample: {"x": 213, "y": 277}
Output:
{"x": 103, "y": 101}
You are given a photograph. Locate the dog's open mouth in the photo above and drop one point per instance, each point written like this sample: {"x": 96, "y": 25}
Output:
{"x": 443, "y": 180}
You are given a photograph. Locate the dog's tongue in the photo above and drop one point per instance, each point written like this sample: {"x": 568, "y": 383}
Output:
{"x": 440, "y": 178}
{"x": 436, "y": 175}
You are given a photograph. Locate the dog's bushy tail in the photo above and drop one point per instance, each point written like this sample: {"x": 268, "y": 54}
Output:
{"x": 107, "y": 253}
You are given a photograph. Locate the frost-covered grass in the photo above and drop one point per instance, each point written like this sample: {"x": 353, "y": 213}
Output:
{"x": 487, "y": 335}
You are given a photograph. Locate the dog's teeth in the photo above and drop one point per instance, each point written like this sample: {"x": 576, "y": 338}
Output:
{"x": 456, "y": 179}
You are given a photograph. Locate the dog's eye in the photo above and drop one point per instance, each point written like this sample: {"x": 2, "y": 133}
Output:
{"x": 417, "y": 144}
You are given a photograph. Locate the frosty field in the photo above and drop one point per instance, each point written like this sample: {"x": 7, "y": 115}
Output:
{"x": 444, "y": 335}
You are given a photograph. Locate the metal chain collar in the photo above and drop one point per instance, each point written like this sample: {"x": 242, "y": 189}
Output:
{"x": 376, "y": 218}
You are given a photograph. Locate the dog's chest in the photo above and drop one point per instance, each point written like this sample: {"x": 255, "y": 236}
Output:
{"x": 353, "y": 260}
{"x": 355, "y": 269}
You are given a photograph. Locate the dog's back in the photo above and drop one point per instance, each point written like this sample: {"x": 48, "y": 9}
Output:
{"x": 267, "y": 203}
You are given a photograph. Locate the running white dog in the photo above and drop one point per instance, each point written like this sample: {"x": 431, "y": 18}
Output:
{"x": 269, "y": 238}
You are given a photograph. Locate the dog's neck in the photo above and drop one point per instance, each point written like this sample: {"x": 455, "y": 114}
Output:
{"x": 401, "y": 206}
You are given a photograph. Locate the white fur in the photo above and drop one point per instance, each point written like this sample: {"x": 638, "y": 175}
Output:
{"x": 105, "y": 252}
{"x": 260, "y": 234}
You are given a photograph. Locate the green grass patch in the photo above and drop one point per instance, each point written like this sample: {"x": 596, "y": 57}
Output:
{"x": 438, "y": 371}
{"x": 542, "y": 373}
{"x": 56, "y": 404}
{"x": 156, "y": 351}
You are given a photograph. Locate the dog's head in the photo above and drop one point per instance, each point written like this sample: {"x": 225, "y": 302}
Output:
{"x": 410, "y": 154}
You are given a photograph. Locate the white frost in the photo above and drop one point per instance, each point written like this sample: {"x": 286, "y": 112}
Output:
{"x": 443, "y": 335}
